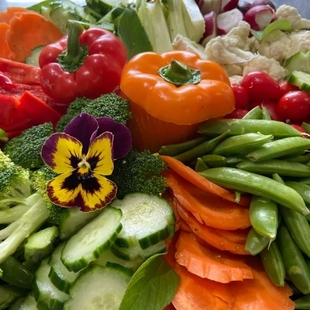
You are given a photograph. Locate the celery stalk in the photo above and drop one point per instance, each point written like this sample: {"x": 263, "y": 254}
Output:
{"x": 175, "y": 19}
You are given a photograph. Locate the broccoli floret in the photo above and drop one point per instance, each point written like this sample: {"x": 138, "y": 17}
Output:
{"x": 25, "y": 149}
{"x": 107, "y": 105}
{"x": 139, "y": 172}
{"x": 39, "y": 179}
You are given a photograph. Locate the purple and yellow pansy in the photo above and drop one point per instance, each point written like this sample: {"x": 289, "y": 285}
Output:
{"x": 82, "y": 156}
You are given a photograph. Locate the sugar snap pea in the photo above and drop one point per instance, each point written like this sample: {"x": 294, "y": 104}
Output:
{"x": 302, "y": 189}
{"x": 214, "y": 160}
{"x": 266, "y": 114}
{"x": 200, "y": 165}
{"x": 271, "y": 166}
{"x": 240, "y": 126}
{"x": 303, "y": 158}
{"x": 303, "y": 303}
{"x": 241, "y": 144}
{"x": 296, "y": 268}
{"x": 255, "y": 242}
{"x": 256, "y": 184}
{"x": 264, "y": 216}
{"x": 280, "y": 147}
{"x": 254, "y": 113}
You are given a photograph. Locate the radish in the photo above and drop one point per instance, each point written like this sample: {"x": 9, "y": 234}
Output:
{"x": 228, "y": 20}
{"x": 210, "y": 27}
{"x": 207, "y": 6}
{"x": 259, "y": 16}
{"x": 264, "y": 2}
{"x": 244, "y": 5}
{"x": 228, "y": 5}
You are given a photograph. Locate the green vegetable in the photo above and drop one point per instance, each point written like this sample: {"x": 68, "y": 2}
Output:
{"x": 25, "y": 149}
{"x": 302, "y": 303}
{"x": 8, "y": 294}
{"x": 214, "y": 160}
{"x": 281, "y": 24}
{"x": 139, "y": 172}
{"x": 107, "y": 105}
{"x": 152, "y": 286}
{"x": 300, "y": 79}
{"x": 254, "y": 113}
{"x": 255, "y": 242}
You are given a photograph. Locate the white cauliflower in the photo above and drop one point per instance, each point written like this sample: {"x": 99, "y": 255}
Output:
{"x": 232, "y": 48}
{"x": 290, "y": 13}
{"x": 235, "y": 79}
{"x": 182, "y": 43}
{"x": 268, "y": 65}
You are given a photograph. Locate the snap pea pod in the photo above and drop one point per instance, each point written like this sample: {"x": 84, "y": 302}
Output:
{"x": 303, "y": 303}
{"x": 272, "y": 261}
{"x": 256, "y": 184}
{"x": 264, "y": 216}
{"x": 240, "y": 126}
{"x": 255, "y": 242}
{"x": 241, "y": 144}
{"x": 200, "y": 165}
{"x": 254, "y": 113}
{"x": 299, "y": 229}
{"x": 296, "y": 268}
{"x": 271, "y": 166}
{"x": 213, "y": 160}
{"x": 265, "y": 113}
{"x": 277, "y": 178}
{"x": 303, "y": 158}
{"x": 201, "y": 149}
{"x": 178, "y": 148}
{"x": 233, "y": 160}
{"x": 302, "y": 189}
{"x": 278, "y": 148}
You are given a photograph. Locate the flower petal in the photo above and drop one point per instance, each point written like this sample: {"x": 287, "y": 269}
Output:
{"x": 100, "y": 155}
{"x": 82, "y": 127}
{"x": 122, "y": 135}
{"x": 61, "y": 152}
{"x": 99, "y": 198}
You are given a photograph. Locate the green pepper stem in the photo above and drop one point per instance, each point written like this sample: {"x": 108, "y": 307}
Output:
{"x": 178, "y": 73}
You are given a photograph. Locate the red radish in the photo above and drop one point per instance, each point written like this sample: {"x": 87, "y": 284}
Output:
{"x": 210, "y": 27}
{"x": 228, "y": 20}
{"x": 228, "y": 5}
{"x": 244, "y": 5}
{"x": 207, "y": 6}
{"x": 259, "y": 16}
{"x": 264, "y": 2}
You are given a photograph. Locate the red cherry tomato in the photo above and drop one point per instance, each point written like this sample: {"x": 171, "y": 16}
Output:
{"x": 241, "y": 96}
{"x": 295, "y": 106}
{"x": 286, "y": 87}
{"x": 261, "y": 86}
{"x": 237, "y": 113}
{"x": 300, "y": 129}
{"x": 272, "y": 108}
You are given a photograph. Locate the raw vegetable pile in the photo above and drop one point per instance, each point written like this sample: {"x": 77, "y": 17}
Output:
{"x": 154, "y": 155}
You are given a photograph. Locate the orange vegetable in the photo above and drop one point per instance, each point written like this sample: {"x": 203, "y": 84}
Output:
{"x": 207, "y": 208}
{"x": 173, "y": 88}
{"x": 5, "y": 50}
{"x": 11, "y": 11}
{"x": 207, "y": 262}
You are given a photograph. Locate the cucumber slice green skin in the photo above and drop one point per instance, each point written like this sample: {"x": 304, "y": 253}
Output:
{"x": 45, "y": 293}
{"x": 29, "y": 303}
{"x": 90, "y": 241}
{"x": 300, "y": 79}
{"x": 98, "y": 287}
{"x": 147, "y": 220}
{"x": 59, "y": 275}
{"x": 299, "y": 61}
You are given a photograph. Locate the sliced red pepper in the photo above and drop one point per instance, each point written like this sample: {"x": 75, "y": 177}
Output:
{"x": 37, "y": 109}
{"x": 7, "y": 105}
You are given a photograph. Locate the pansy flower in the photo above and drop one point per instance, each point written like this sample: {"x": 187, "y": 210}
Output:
{"x": 82, "y": 156}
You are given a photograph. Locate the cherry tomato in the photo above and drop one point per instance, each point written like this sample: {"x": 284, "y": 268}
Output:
{"x": 295, "y": 106}
{"x": 300, "y": 129}
{"x": 241, "y": 96}
{"x": 272, "y": 108}
{"x": 237, "y": 113}
{"x": 286, "y": 87}
{"x": 261, "y": 86}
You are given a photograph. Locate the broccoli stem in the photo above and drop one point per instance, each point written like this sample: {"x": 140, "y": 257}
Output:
{"x": 12, "y": 214}
{"x": 28, "y": 223}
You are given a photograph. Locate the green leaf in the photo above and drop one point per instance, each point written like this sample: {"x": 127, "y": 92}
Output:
{"x": 152, "y": 286}
{"x": 280, "y": 24}
{"x": 132, "y": 33}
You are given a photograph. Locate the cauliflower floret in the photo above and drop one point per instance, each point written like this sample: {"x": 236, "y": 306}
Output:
{"x": 300, "y": 42}
{"x": 268, "y": 65}
{"x": 232, "y": 48}
{"x": 235, "y": 79}
{"x": 182, "y": 43}
{"x": 234, "y": 69}
{"x": 291, "y": 13}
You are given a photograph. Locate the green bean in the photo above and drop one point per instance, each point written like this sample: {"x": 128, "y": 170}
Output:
{"x": 241, "y": 144}
{"x": 266, "y": 114}
{"x": 233, "y": 160}
{"x": 302, "y": 189}
{"x": 255, "y": 242}
{"x": 295, "y": 266}
{"x": 272, "y": 261}
{"x": 200, "y": 165}
{"x": 178, "y": 148}
{"x": 278, "y": 148}
{"x": 303, "y": 303}
{"x": 213, "y": 160}
{"x": 281, "y": 167}
{"x": 303, "y": 158}
{"x": 264, "y": 216}
{"x": 201, "y": 149}
{"x": 240, "y": 126}
{"x": 256, "y": 184}
{"x": 277, "y": 178}
{"x": 254, "y": 113}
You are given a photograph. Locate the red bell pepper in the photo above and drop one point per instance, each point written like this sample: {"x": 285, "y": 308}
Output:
{"x": 87, "y": 63}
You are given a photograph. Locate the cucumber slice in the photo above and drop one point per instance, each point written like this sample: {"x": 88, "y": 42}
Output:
{"x": 45, "y": 292}
{"x": 300, "y": 79}
{"x": 33, "y": 59}
{"x": 59, "y": 275}
{"x": 72, "y": 220}
{"x": 98, "y": 287}
{"x": 299, "y": 61}
{"x": 29, "y": 303}
{"x": 89, "y": 242}
{"x": 147, "y": 220}
{"x": 137, "y": 253}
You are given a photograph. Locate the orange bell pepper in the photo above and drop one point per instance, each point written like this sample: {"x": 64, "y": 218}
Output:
{"x": 171, "y": 93}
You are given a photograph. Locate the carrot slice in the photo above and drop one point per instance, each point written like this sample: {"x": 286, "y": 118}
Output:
{"x": 196, "y": 179}
{"x": 28, "y": 31}
{"x": 213, "y": 236}
{"x": 208, "y": 208}
{"x": 11, "y": 11}
{"x": 260, "y": 293}
{"x": 5, "y": 49}
{"x": 207, "y": 262}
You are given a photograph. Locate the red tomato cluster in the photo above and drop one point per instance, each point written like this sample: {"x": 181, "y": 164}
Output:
{"x": 284, "y": 102}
